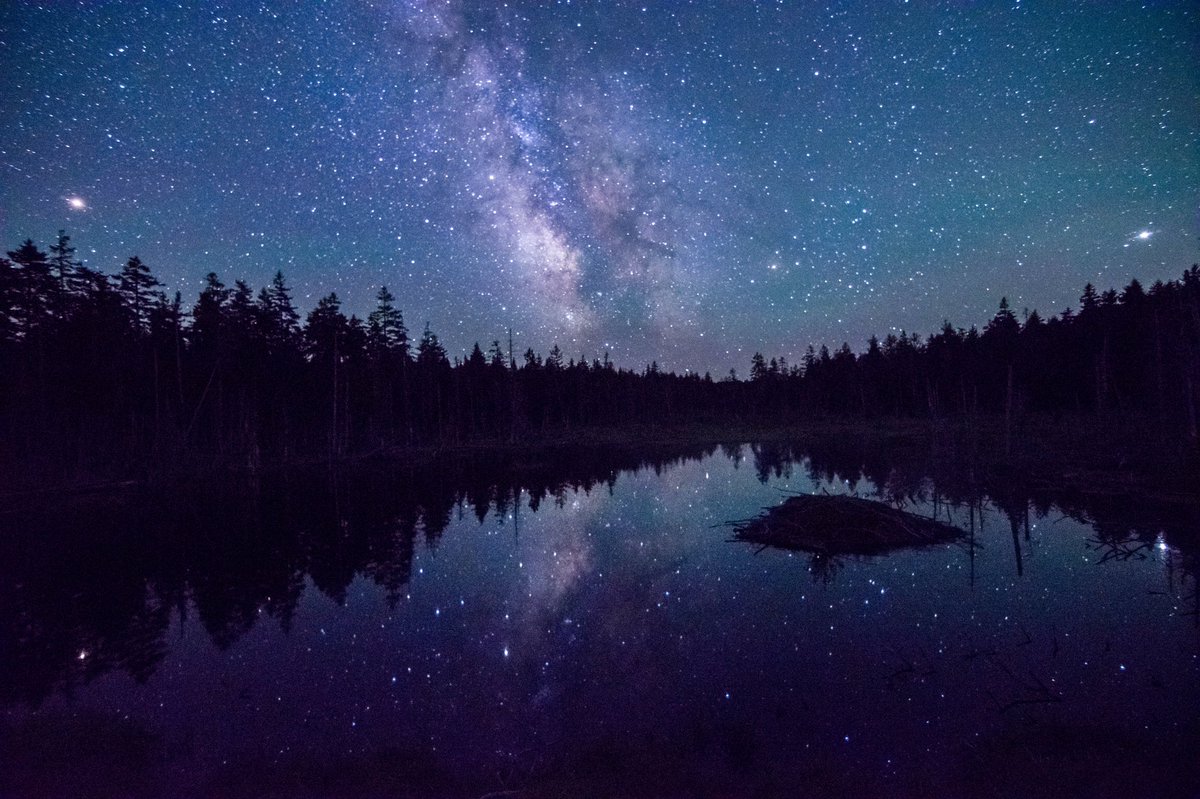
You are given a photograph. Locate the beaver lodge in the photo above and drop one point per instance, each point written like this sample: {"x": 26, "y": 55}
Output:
{"x": 841, "y": 525}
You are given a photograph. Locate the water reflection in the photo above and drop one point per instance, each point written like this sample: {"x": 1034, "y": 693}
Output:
{"x": 947, "y": 482}
{"x": 492, "y": 624}
{"x": 89, "y": 586}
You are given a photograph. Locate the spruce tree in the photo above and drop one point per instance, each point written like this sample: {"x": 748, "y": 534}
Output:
{"x": 136, "y": 287}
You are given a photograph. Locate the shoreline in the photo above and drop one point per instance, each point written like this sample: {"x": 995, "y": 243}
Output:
{"x": 1068, "y": 453}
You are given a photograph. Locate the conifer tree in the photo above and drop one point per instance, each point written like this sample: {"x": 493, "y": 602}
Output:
{"x": 63, "y": 264}
{"x": 386, "y": 332}
{"x": 136, "y": 287}
{"x": 36, "y": 287}
{"x": 430, "y": 352}
{"x": 279, "y": 319}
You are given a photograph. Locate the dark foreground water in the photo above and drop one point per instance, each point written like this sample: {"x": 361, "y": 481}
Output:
{"x": 577, "y": 629}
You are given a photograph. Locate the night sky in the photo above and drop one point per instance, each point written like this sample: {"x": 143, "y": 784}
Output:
{"x": 683, "y": 181}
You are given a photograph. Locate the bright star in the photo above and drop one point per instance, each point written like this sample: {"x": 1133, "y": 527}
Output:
{"x": 1144, "y": 234}
{"x": 76, "y": 203}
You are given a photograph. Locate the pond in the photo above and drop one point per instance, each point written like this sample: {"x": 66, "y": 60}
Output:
{"x": 584, "y": 625}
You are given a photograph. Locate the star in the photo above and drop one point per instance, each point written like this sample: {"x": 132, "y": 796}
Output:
{"x": 545, "y": 180}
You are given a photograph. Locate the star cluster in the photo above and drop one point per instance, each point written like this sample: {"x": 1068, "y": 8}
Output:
{"x": 688, "y": 182}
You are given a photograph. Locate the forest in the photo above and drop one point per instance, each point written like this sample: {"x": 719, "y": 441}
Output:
{"x": 110, "y": 375}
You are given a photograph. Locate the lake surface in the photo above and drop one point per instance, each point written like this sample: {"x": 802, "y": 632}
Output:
{"x": 575, "y": 627}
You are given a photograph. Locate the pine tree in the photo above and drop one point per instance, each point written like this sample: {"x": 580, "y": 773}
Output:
{"x": 209, "y": 314}
{"x": 325, "y": 327}
{"x": 279, "y": 320}
{"x": 36, "y": 287}
{"x": 1000, "y": 336}
{"x": 1088, "y": 301}
{"x": 554, "y": 361}
{"x": 63, "y": 265}
{"x": 243, "y": 314}
{"x": 476, "y": 361}
{"x": 758, "y": 368}
{"x": 1004, "y": 325}
{"x": 10, "y": 301}
{"x": 386, "y": 332}
{"x": 325, "y": 332}
{"x": 136, "y": 287}
{"x": 496, "y": 356}
{"x": 430, "y": 351}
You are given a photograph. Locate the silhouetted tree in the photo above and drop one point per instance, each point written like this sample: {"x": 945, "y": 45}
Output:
{"x": 136, "y": 286}
{"x": 103, "y": 374}
{"x": 36, "y": 287}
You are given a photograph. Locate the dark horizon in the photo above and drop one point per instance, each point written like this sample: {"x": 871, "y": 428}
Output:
{"x": 106, "y": 376}
{"x": 859, "y": 346}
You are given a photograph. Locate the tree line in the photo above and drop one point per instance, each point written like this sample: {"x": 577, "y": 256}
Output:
{"x": 103, "y": 373}
{"x": 1121, "y": 356}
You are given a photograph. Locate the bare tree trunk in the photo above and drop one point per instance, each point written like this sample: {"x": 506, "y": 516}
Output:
{"x": 1008, "y": 402}
{"x": 333, "y": 433}
{"x": 178, "y": 372}
{"x": 512, "y": 391}
{"x": 1158, "y": 376}
{"x": 971, "y": 543}
{"x": 1193, "y": 434}
{"x": 157, "y": 404}
{"x": 1012, "y": 520}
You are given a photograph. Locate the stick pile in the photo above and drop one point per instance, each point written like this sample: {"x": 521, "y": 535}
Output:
{"x": 837, "y": 525}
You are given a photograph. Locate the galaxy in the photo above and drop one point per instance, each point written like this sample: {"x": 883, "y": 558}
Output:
{"x": 688, "y": 182}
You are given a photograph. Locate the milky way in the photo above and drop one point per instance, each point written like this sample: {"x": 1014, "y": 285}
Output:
{"x": 689, "y": 182}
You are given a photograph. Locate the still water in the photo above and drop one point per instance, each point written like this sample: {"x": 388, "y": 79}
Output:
{"x": 566, "y": 628}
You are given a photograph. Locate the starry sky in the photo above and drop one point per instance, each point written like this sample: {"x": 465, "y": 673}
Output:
{"x": 684, "y": 181}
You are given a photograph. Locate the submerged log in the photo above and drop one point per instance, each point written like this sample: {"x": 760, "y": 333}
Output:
{"x": 841, "y": 525}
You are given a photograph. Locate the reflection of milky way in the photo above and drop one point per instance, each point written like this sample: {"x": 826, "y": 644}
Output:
{"x": 552, "y": 565}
